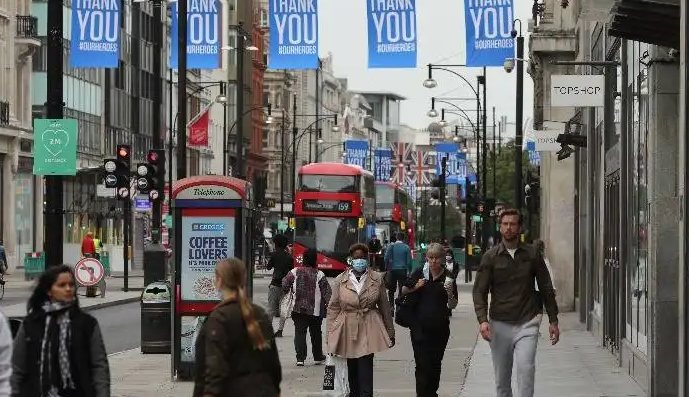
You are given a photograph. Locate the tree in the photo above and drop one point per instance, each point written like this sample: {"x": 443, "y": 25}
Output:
{"x": 429, "y": 219}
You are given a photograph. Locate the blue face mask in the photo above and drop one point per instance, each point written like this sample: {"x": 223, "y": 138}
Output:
{"x": 359, "y": 265}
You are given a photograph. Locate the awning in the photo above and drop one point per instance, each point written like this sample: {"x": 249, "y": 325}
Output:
{"x": 648, "y": 21}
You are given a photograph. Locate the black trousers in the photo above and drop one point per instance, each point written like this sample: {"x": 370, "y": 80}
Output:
{"x": 360, "y": 374}
{"x": 312, "y": 324}
{"x": 429, "y": 348}
{"x": 397, "y": 277}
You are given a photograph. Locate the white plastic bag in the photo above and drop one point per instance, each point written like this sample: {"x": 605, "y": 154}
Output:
{"x": 341, "y": 380}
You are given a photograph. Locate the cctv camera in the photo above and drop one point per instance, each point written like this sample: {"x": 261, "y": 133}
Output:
{"x": 509, "y": 65}
{"x": 513, "y": 33}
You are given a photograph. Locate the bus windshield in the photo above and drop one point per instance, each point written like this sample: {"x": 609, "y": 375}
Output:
{"x": 328, "y": 183}
{"x": 327, "y": 235}
{"x": 385, "y": 194}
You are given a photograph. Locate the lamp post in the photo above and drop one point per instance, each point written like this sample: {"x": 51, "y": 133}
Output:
{"x": 519, "y": 137}
{"x": 443, "y": 182}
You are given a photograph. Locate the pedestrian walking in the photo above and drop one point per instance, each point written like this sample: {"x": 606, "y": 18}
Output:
{"x": 359, "y": 320}
{"x": 281, "y": 262}
{"x": 398, "y": 264}
{"x": 88, "y": 246}
{"x": 507, "y": 272}
{"x": 434, "y": 292}
{"x": 59, "y": 349}
{"x": 236, "y": 353}
{"x": 451, "y": 263}
{"x": 312, "y": 294}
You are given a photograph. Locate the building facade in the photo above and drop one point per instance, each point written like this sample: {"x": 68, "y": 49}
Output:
{"x": 611, "y": 212}
{"x": 21, "y": 222}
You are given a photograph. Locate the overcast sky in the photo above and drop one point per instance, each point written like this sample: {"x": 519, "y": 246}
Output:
{"x": 440, "y": 31}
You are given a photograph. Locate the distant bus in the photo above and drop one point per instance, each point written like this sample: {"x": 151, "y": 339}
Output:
{"x": 335, "y": 208}
{"x": 394, "y": 212}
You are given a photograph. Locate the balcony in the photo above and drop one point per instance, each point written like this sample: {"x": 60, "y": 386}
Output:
{"x": 4, "y": 113}
{"x": 27, "y": 35}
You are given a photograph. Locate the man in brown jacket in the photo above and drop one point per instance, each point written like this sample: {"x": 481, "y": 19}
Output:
{"x": 507, "y": 272}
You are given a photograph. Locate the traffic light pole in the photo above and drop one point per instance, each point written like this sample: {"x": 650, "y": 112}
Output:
{"x": 54, "y": 110}
{"x": 467, "y": 230}
{"x": 443, "y": 184}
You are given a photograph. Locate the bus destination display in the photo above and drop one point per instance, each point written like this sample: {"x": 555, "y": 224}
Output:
{"x": 326, "y": 205}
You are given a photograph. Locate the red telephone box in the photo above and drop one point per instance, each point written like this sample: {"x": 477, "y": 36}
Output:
{"x": 211, "y": 215}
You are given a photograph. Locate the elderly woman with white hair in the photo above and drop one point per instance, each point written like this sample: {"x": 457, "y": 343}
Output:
{"x": 434, "y": 295}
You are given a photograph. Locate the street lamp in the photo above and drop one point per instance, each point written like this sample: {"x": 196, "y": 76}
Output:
{"x": 519, "y": 136}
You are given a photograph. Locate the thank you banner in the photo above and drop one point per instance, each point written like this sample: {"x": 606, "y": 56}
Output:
{"x": 382, "y": 162}
{"x": 293, "y": 34}
{"x": 95, "y": 39}
{"x": 488, "y": 25}
{"x": 356, "y": 152}
{"x": 391, "y": 33}
{"x": 456, "y": 169}
{"x": 204, "y": 34}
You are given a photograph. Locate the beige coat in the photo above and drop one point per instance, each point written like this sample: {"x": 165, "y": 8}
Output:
{"x": 359, "y": 325}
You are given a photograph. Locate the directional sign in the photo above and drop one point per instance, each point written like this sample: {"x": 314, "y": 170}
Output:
{"x": 89, "y": 271}
{"x": 55, "y": 147}
{"x": 110, "y": 181}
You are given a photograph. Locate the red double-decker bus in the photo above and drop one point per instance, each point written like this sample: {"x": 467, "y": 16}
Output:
{"x": 335, "y": 208}
{"x": 394, "y": 212}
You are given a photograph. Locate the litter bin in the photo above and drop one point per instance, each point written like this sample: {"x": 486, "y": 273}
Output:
{"x": 156, "y": 320}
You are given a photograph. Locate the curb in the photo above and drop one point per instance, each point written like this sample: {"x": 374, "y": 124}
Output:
{"x": 104, "y": 305}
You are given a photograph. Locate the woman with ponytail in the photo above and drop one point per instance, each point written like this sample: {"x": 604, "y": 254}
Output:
{"x": 235, "y": 350}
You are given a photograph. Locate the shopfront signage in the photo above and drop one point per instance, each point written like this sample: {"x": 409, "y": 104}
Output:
{"x": 55, "y": 147}
{"x": 577, "y": 90}
{"x": 208, "y": 192}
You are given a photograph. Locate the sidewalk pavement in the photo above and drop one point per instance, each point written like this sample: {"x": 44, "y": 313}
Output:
{"x": 576, "y": 367}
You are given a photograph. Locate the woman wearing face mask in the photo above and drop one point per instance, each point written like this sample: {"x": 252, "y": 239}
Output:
{"x": 359, "y": 321}
{"x": 235, "y": 350}
{"x": 436, "y": 295}
{"x": 451, "y": 263}
{"x": 59, "y": 350}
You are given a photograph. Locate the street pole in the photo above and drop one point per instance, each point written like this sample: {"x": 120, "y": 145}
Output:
{"x": 495, "y": 156}
{"x": 484, "y": 164}
{"x": 467, "y": 229}
{"x": 282, "y": 170}
{"x": 518, "y": 184}
{"x": 477, "y": 135}
{"x": 171, "y": 121}
{"x": 54, "y": 105}
{"x": 443, "y": 181}
{"x": 295, "y": 130}
{"x": 241, "y": 173}
{"x": 225, "y": 133}
{"x": 181, "y": 90}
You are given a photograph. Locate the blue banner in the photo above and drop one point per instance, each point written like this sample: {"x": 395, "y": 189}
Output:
{"x": 95, "y": 39}
{"x": 382, "y": 165}
{"x": 488, "y": 26}
{"x": 293, "y": 34}
{"x": 391, "y": 33}
{"x": 456, "y": 170}
{"x": 204, "y": 34}
{"x": 356, "y": 152}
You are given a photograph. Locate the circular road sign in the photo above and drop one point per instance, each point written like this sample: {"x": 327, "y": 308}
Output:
{"x": 89, "y": 271}
{"x": 110, "y": 180}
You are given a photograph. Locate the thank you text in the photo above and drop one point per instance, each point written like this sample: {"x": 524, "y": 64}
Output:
{"x": 382, "y": 164}
{"x": 293, "y": 34}
{"x": 391, "y": 33}
{"x": 455, "y": 170}
{"x": 356, "y": 152}
{"x": 488, "y": 25}
{"x": 95, "y": 39}
{"x": 204, "y": 32}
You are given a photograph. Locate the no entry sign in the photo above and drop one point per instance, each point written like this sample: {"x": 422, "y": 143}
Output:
{"x": 89, "y": 271}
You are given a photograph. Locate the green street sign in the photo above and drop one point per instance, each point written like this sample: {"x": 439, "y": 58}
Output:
{"x": 55, "y": 147}
{"x": 477, "y": 218}
{"x": 282, "y": 225}
{"x": 168, "y": 221}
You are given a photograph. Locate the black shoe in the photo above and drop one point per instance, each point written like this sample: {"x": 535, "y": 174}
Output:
{"x": 278, "y": 334}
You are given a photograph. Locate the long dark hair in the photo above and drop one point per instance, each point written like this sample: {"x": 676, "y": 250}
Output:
{"x": 40, "y": 295}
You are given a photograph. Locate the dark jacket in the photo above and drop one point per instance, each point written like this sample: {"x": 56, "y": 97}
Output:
{"x": 433, "y": 307}
{"x": 511, "y": 285}
{"x": 88, "y": 358}
{"x": 283, "y": 263}
{"x": 227, "y": 365}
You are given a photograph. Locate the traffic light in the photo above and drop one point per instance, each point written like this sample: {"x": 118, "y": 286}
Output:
{"x": 117, "y": 171}
{"x": 150, "y": 176}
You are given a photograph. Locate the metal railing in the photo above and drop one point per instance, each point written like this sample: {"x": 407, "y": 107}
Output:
{"x": 4, "y": 113}
{"x": 27, "y": 26}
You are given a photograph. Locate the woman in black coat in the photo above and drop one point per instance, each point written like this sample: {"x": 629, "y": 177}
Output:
{"x": 59, "y": 349}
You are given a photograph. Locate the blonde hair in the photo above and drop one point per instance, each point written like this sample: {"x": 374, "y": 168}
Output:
{"x": 435, "y": 250}
{"x": 232, "y": 274}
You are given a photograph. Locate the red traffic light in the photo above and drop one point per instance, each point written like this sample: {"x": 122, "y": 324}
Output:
{"x": 122, "y": 151}
{"x": 152, "y": 157}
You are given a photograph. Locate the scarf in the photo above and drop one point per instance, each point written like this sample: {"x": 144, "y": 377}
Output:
{"x": 56, "y": 338}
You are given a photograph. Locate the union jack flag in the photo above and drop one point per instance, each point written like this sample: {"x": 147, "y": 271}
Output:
{"x": 418, "y": 161}
{"x": 401, "y": 152}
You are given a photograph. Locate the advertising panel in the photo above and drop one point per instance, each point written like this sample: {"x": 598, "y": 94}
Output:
{"x": 456, "y": 169}
{"x": 206, "y": 239}
{"x": 356, "y": 152}
{"x": 293, "y": 34}
{"x": 391, "y": 34}
{"x": 488, "y": 26}
{"x": 95, "y": 38}
{"x": 204, "y": 32}
{"x": 383, "y": 165}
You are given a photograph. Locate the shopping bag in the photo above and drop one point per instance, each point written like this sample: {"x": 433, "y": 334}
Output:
{"x": 341, "y": 388}
{"x": 287, "y": 301}
{"x": 329, "y": 375}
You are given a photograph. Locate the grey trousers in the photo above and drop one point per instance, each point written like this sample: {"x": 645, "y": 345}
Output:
{"x": 274, "y": 296}
{"x": 514, "y": 344}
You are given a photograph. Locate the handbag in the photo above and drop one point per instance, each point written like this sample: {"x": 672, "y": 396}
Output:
{"x": 287, "y": 301}
{"x": 405, "y": 313}
{"x": 335, "y": 378}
